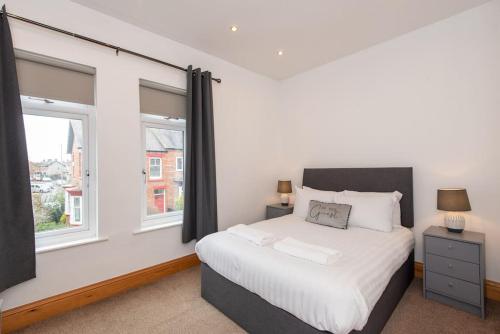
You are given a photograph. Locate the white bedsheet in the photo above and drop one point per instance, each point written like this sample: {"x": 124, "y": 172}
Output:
{"x": 336, "y": 298}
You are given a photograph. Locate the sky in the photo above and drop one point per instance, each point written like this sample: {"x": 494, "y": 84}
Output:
{"x": 46, "y": 137}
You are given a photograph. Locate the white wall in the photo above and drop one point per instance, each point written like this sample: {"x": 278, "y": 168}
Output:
{"x": 429, "y": 99}
{"x": 246, "y": 145}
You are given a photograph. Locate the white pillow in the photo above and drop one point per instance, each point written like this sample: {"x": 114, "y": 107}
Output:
{"x": 304, "y": 195}
{"x": 370, "y": 210}
{"x": 396, "y": 197}
{"x": 335, "y": 193}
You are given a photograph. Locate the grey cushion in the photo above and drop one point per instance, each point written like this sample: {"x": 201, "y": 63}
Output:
{"x": 329, "y": 214}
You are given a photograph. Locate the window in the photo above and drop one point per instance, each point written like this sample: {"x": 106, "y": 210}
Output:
{"x": 155, "y": 168}
{"x": 163, "y": 114}
{"x": 61, "y": 161}
{"x": 77, "y": 210}
{"x": 179, "y": 164}
{"x": 163, "y": 145}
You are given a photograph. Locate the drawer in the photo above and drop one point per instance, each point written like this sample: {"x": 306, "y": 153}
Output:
{"x": 275, "y": 213}
{"x": 453, "y": 287}
{"x": 455, "y": 249}
{"x": 459, "y": 269}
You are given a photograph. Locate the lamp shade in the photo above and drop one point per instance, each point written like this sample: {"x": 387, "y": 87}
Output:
{"x": 453, "y": 200}
{"x": 285, "y": 187}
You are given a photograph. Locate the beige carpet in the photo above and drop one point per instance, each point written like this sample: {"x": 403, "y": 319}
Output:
{"x": 174, "y": 305}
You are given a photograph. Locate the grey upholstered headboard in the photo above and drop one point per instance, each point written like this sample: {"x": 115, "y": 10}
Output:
{"x": 366, "y": 179}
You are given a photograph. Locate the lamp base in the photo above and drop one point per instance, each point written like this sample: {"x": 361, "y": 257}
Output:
{"x": 454, "y": 222}
{"x": 284, "y": 199}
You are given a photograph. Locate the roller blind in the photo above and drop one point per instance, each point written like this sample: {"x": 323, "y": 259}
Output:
{"x": 45, "y": 77}
{"x": 161, "y": 100}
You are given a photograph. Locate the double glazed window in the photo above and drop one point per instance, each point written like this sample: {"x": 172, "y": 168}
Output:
{"x": 163, "y": 132}
{"x": 60, "y": 154}
{"x": 163, "y": 143}
{"x": 57, "y": 100}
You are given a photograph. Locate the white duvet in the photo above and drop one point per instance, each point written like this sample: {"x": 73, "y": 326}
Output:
{"x": 336, "y": 298}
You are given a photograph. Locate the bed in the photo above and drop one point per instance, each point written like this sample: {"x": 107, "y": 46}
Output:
{"x": 268, "y": 292}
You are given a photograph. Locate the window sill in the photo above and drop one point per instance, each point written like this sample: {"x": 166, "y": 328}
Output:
{"x": 71, "y": 244}
{"x": 157, "y": 227}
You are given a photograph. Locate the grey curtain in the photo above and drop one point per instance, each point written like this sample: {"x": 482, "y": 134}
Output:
{"x": 17, "y": 235}
{"x": 200, "y": 194}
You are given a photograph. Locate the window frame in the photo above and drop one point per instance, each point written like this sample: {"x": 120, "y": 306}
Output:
{"x": 167, "y": 218}
{"x": 88, "y": 202}
{"x": 156, "y": 178}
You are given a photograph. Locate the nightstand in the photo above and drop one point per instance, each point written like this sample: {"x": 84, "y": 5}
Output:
{"x": 278, "y": 210}
{"x": 454, "y": 269}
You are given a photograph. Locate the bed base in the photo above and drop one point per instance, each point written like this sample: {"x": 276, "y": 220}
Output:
{"x": 256, "y": 315}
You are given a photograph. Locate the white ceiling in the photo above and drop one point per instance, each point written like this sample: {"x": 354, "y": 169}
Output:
{"x": 311, "y": 33}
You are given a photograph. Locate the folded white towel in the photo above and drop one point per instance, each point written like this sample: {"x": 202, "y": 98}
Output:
{"x": 258, "y": 237}
{"x": 314, "y": 253}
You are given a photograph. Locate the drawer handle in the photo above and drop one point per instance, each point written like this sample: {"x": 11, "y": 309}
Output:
{"x": 450, "y": 284}
{"x": 450, "y": 266}
{"x": 450, "y": 246}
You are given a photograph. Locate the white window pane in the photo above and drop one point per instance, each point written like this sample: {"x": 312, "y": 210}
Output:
{"x": 165, "y": 182}
{"x": 55, "y": 162}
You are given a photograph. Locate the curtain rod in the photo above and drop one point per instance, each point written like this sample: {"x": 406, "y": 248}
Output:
{"x": 95, "y": 41}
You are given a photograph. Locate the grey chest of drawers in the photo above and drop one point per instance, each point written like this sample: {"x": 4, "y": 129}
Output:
{"x": 454, "y": 269}
{"x": 278, "y": 210}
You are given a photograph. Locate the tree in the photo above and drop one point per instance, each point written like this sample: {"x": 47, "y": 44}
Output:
{"x": 39, "y": 210}
{"x": 179, "y": 202}
{"x": 55, "y": 206}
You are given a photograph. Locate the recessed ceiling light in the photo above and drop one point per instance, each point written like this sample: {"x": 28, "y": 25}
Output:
{"x": 234, "y": 28}
{"x": 280, "y": 52}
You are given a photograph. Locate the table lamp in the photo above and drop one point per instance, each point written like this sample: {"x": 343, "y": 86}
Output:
{"x": 453, "y": 201}
{"x": 284, "y": 188}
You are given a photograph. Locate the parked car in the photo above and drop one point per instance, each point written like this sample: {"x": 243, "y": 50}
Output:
{"x": 41, "y": 187}
{"x": 35, "y": 188}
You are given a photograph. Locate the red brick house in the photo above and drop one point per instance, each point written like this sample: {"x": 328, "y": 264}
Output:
{"x": 73, "y": 191}
{"x": 164, "y": 170}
